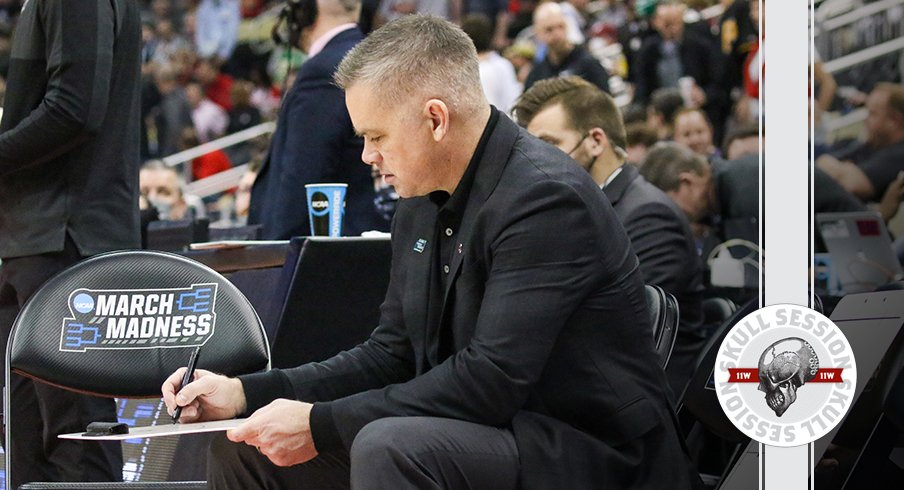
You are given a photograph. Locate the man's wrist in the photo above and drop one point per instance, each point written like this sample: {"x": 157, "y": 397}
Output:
{"x": 242, "y": 402}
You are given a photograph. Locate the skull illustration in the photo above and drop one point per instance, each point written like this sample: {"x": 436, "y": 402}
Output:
{"x": 784, "y": 367}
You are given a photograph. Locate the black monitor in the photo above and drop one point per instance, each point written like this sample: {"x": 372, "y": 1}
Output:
{"x": 175, "y": 236}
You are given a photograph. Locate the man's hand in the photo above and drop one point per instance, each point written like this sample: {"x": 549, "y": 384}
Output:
{"x": 891, "y": 200}
{"x": 698, "y": 96}
{"x": 209, "y": 397}
{"x": 281, "y": 431}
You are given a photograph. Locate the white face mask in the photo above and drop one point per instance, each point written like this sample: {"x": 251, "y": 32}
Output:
{"x": 163, "y": 208}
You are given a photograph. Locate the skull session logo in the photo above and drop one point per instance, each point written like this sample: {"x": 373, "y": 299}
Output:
{"x": 785, "y": 375}
{"x": 139, "y": 318}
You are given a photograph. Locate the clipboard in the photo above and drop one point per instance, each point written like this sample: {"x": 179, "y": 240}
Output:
{"x": 159, "y": 431}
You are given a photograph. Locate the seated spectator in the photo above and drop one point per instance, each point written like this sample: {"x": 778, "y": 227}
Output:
{"x": 169, "y": 42}
{"x": 562, "y": 56}
{"x": 234, "y": 208}
{"x": 584, "y": 122}
{"x": 210, "y": 120}
{"x": 217, "y": 28}
{"x": 683, "y": 175}
{"x": 161, "y": 188}
{"x": 174, "y": 113}
{"x": 217, "y": 85}
{"x": 868, "y": 169}
{"x": 693, "y": 130}
{"x": 207, "y": 164}
{"x": 521, "y": 56}
{"x": 243, "y": 114}
{"x": 640, "y": 138}
{"x": 664, "y": 104}
{"x": 497, "y": 74}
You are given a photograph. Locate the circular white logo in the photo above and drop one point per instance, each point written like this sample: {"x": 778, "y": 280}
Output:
{"x": 785, "y": 375}
{"x": 83, "y": 303}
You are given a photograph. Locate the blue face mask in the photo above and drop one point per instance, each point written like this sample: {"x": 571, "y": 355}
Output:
{"x": 386, "y": 201}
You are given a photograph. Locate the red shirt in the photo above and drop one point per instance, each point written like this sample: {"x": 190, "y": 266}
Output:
{"x": 209, "y": 164}
{"x": 219, "y": 91}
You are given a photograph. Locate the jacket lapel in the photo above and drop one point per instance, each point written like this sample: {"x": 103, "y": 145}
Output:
{"x": 418, "y": 267}
{"x": 616, "y": 189}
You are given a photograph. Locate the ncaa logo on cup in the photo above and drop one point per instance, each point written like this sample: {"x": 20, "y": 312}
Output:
{"x": 785, "y": 375}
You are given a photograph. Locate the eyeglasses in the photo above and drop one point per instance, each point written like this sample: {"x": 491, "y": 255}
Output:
{"x": 621, "y": 153}
{"x": 578, "y": 143}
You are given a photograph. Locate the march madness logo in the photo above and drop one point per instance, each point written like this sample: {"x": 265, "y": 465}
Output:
{"x": 139, "y": 318}
{"x": 785, "y": 375}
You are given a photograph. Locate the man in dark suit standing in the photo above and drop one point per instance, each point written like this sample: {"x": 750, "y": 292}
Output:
{"x": 584, "y": 122}
{"x": 69, "y": 144}
{"x": 314, "y": 139}
{"x": 513, "y": 348}
{"x": 675, "y": 53}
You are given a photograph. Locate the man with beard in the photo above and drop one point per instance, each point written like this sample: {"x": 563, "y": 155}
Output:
{"x": 562, "y": 57}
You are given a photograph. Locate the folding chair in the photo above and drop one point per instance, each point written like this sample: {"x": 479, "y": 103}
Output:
{"x": 117, "y": 324}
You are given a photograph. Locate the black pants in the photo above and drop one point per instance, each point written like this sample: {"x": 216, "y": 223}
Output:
{"x": 40, "y": 412}
{"x": 392, "y": 453}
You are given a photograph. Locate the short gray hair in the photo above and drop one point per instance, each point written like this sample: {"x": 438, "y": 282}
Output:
{"x": 666, "y": 161}
{"x": 417, "y": 54}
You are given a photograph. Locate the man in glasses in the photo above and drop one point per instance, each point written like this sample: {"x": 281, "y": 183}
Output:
{"x": 583, "y": 121}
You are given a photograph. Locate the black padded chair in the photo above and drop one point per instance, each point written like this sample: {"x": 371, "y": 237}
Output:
{"x": 663, "y": 308}
{"x": 84, "y": 331}
{"x": 717, "y": 309}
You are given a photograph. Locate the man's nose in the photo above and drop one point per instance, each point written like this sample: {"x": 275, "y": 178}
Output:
{"x": 370, "y": 155}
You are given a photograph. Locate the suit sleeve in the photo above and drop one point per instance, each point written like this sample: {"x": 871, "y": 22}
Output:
{"x": 79, "y": 51}
{"x": 319, "y": 128}
{"x": 385, "y": 358}
{"x": 661, "y": 246}
{"x": 545, "y": 260}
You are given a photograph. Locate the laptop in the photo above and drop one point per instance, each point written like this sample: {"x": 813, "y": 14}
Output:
{"x": 860, "y": 248}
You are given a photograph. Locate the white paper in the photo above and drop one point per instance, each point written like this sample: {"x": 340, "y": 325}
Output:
{"x": 160, "y": 430}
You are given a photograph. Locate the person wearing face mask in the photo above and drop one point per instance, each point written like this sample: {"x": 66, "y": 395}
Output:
{"x": 581, "y": 120}
{"x": 161, "y": 189}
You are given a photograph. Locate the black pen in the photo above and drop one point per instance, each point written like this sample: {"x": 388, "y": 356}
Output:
{"x": 187, "y": 378}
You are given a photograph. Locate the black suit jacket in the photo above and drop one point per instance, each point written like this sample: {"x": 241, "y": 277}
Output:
{"x": 545, "y": 312}
{"x": 661, "y": 237}
{"x": 314, "y": 142}
{"x": 69, "y": 139}
{"x": 701, "y": 61}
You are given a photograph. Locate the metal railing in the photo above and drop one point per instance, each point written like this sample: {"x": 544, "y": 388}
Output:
{"x": 220, "y": 143}
{"x": 855, "y": 15}
{"x": 863, "y": 56}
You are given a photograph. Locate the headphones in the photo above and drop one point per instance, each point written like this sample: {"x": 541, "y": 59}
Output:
{"x": 298, "y": 15}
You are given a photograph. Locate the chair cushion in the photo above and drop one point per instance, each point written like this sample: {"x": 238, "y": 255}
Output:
{"x": 118, "y": 324}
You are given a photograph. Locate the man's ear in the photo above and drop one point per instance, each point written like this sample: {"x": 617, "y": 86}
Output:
{"x": 436, "y": 113}
{"x": 599, "y": 141}
{"x": 685, "y": 178}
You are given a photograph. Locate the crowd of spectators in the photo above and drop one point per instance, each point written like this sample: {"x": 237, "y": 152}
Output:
{"x": 685, "y": 72}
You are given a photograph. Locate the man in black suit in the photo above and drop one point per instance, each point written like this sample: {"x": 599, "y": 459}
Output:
{"x": 314, "y": 139}
{"x": 513, "y": 347}
{"x": 676, "y": 52}
{"x": 584, "y": 122}
{"x": 69, "y": 144}
{"x": 562, "y": 57}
